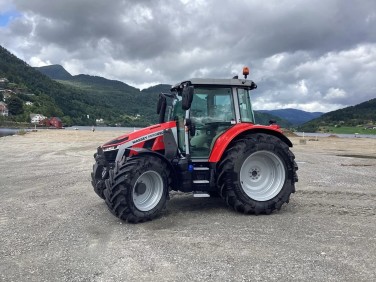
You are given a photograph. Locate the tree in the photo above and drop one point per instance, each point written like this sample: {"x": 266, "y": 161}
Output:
{"x": 1, "y": 97}
{"x": 15, "y": 105}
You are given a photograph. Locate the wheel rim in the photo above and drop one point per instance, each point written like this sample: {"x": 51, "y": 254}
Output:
{"x": 262, "y": 175}
{"x": 147, "y": 191}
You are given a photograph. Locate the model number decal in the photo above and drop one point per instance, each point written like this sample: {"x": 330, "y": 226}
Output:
{"x": 147, "y": 137}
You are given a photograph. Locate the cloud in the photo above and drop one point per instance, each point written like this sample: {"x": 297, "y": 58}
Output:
{"x": 334, "y": 80}
{"x": 301, "y": 53}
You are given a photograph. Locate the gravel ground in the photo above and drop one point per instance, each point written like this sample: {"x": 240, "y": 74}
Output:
{"x": 53, "y": 227}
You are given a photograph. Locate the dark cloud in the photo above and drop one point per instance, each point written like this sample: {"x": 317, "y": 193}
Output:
{"x": 306, "y": 54}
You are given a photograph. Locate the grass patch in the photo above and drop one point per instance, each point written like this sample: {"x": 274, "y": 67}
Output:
{"x": 21, "y": 132}
{"x": 349, "y": 130}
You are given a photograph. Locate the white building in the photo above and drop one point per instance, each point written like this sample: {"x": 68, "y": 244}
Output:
{"x": 36, "y": 118}
{"x": 4, "y": 80}
{"x": 3, "y": 109}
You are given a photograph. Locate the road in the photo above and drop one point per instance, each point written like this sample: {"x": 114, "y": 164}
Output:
{"x": 53, "y": 227}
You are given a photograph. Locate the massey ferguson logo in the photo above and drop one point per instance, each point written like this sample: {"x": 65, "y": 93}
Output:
{"x": 147, "y": 137}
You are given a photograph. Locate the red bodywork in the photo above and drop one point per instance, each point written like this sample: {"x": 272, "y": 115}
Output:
{"x": 138, "y": 138}
{"x": 152, "y": 137}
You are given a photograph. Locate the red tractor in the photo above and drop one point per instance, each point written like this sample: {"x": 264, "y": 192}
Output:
{"x": 207, "y": 143}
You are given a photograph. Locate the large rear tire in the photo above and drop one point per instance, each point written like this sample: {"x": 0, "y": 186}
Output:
{"x": 137, "y": 190}
{"x": 257, "y": 174}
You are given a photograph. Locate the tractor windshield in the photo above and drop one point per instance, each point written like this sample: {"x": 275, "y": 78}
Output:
{"x": 212, "y": 105}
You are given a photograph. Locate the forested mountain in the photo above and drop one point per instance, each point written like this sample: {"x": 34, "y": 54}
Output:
{"x": 361, "y": 114}
{"x": 294, "y": 116}
{"x": 79, "y": 99}
{"x": 137, "y": 108}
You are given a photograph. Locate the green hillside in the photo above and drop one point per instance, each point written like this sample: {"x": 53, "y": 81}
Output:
{"x": 137, "y": 108}
{"x": 49, "y": 97}
{"x": 361, "y": 115}
{"x": 78, "y": 99}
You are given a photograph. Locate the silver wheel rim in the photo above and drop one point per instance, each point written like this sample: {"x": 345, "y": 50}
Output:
{"x": 148, "y": 197}
{"x": 262, "y": 175}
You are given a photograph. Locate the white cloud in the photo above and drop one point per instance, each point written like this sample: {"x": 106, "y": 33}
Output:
{"x": 37, "y": 62}
{"x": 335, "y": 93}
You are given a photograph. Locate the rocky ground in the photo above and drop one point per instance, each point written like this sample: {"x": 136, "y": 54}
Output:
{"x": 53, "y": 227}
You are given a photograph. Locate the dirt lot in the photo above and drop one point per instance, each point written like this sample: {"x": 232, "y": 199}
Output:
{"x": 53, "y": 227}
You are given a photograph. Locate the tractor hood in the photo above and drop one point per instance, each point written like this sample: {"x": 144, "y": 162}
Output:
{"x": 138, "y": 136}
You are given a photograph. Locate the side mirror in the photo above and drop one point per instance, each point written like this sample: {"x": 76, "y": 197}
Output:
{"x": 161, "y": 107}
{"x": 161, "y": 100}
{"x": 187, "y": 97}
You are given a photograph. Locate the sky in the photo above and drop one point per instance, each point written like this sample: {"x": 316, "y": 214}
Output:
{"x": 311, "y": 55}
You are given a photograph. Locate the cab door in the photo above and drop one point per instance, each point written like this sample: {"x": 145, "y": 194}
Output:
{"x": 211, "y": 113}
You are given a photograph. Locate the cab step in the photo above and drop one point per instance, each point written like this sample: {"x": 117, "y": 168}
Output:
{"x": 200, "y": 194}
{"x": 201, "y": 181}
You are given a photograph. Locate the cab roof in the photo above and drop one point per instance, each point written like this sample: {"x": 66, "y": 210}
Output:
{"x": 215, "y": 81}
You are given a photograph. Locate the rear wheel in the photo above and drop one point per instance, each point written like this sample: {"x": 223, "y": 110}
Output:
{"x": 137, "y": 191}
{"x": 257, "y": 174}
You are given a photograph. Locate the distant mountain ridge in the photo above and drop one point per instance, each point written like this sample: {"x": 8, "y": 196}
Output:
{"x": 56, "y": 72}
{"x": 265, "y": 118}
{"x": 294, "y": 116}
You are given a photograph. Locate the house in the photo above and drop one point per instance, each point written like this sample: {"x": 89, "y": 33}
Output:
{"x": 53, "y": 122}
{"x": 56, "y": 122}
{"x": 3, "y": 82}
{"x": 36, "y": 118}
{"x": 3, "y": 109}
{"x": 99, "y": 121}
{"x": 8, "y": 93}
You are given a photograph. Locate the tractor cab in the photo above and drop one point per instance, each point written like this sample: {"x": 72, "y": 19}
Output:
{"x": 206, "y": 108}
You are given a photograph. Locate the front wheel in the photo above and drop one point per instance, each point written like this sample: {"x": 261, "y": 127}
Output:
{"x": 137, "y": 191}
{"x": 257, "y": 174}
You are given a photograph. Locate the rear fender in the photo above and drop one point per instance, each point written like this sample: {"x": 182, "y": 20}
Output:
{"x": 237, "y": 132}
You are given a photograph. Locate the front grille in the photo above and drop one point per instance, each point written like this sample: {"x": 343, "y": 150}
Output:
{"x": 110, "y": 156}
